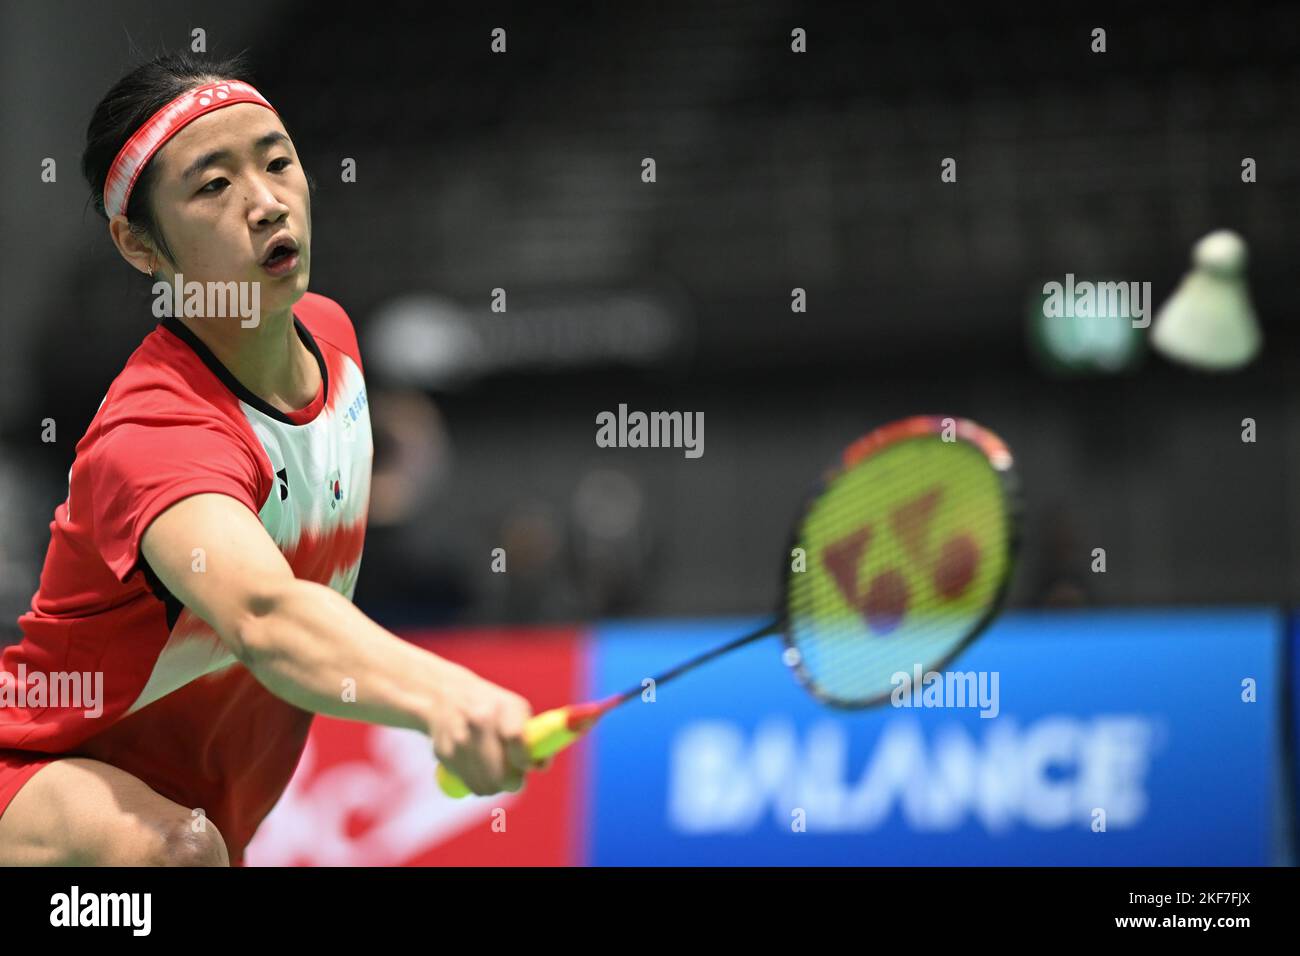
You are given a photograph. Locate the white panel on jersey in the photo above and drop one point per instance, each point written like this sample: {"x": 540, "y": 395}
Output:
{"x": 322, "y": 482}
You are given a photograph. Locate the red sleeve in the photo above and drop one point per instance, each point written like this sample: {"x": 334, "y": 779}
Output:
{"x": 138, "y": 471}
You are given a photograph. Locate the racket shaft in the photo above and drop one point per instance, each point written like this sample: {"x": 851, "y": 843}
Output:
{"x": 767, "y": 629}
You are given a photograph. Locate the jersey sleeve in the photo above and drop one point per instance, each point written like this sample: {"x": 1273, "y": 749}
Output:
{"x": 140, "y": 470}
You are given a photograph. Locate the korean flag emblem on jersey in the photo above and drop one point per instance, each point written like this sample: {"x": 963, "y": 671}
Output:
{"x": 334, "y": 488}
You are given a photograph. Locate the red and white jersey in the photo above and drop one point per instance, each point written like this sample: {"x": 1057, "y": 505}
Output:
{"x": 177, "y": 709}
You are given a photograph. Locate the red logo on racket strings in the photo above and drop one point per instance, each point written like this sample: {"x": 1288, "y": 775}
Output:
{"x": 883, "y": 603}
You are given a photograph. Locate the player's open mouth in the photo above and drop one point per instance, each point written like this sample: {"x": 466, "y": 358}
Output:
{"x": 282, "y": 259}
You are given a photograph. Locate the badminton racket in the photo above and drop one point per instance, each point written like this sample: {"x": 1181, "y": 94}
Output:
{"x": 901, "y": 557}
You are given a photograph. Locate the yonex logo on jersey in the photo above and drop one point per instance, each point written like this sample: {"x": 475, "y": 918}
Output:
{"x": 282, "y": 482}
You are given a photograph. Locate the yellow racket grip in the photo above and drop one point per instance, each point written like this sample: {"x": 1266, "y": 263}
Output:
{"x": 545, "y": 734}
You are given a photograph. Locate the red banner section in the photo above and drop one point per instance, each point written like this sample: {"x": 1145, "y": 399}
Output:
{"x": 365, "y": 795}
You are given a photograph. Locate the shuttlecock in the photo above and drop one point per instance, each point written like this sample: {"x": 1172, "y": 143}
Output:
{"x": 1209, "y": 323}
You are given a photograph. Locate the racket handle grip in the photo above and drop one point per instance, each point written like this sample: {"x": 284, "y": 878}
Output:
{"x": 545, "y": 734}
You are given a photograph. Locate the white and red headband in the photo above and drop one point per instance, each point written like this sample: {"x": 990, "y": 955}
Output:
{"x": 162, "y": 126}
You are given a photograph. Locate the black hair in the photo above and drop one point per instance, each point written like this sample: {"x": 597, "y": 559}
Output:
{"x": 125, "y": 108}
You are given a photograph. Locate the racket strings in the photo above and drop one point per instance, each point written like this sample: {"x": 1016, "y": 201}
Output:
{"x": 905, "y": 555}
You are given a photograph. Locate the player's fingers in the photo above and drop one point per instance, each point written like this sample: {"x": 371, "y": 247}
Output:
{"x": 513, "y": 718}
{"x": 517, "y": 756}
{"x": 492, "y": 767}
{"x": 458, "y": 751}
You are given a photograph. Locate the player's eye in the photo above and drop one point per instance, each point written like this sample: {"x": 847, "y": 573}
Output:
{"x": 276, "y": 165}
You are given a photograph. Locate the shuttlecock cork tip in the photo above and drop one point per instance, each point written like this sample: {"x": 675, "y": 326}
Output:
{"x": 1222, "y": 252}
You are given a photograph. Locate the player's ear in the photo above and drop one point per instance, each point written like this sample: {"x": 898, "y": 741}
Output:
{"x": 134, "y": 247}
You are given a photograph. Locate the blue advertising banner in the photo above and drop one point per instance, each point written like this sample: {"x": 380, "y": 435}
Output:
{"x": 1059, "y": 738}
{"x": 1291, "y": 744}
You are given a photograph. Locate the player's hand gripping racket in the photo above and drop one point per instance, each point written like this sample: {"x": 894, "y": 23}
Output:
{"x": 901, "y": 558}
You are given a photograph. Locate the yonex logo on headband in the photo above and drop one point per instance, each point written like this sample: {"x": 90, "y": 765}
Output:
{"x": 221, "y": 92}
{"x": 162, "y": 126}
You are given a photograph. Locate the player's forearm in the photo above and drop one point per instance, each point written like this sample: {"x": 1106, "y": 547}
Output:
{"x": 311, "y": 646}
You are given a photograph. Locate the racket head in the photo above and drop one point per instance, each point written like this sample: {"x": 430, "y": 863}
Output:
{"x": 910, "y": 541}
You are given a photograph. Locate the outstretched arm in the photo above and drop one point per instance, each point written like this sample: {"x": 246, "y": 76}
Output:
{"x": 304, "y": 641}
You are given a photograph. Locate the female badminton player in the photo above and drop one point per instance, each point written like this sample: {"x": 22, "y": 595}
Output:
{"x": 199, "y": 576}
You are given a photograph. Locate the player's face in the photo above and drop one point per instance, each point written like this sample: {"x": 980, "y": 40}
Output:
{"x": 220, "y": 218}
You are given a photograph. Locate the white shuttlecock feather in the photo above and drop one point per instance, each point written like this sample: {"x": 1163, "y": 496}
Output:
{"x": 1209, "y": 322}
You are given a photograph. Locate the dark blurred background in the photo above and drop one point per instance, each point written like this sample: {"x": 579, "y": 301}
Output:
{"x": 775, "y": 170}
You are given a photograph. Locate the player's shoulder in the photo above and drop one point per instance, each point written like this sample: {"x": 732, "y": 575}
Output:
{"x": 328, "y": 322}
{"x": 164, "y": 383}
